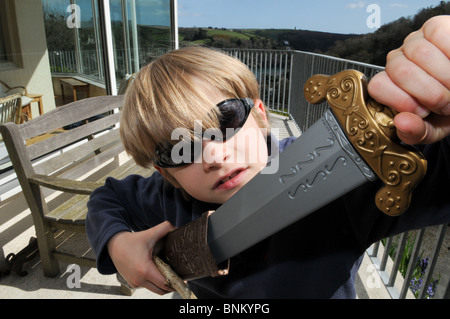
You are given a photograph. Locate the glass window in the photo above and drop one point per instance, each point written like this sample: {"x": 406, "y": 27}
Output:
{"x": 153, "y": 34}
{"x": 10, "y": 57}
{"x": 60, "y": 37}
{"x": 87, "y": 40}
{"x": 72, "y": 37}
{"x": 141, "y": 31}
{"x": 145, "y": 34}
{"x": 3, "y": 57}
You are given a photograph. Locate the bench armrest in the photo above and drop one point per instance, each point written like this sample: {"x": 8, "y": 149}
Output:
{"x": 23, "y": 90}
{"x": 64, "y": 184}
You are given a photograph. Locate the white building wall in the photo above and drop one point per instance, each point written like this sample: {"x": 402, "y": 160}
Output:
{"x": 34, "y": 74}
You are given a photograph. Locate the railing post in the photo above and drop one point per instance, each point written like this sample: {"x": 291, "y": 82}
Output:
{"x": 433, "y": 259}
{"x": 412, "y": 263}
{"x": 296, "y": 100}
{"x": 397, "y": 259}
{"x": 443, "y": 288}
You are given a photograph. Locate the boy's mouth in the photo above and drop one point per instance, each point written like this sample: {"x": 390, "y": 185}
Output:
{"x": 230, "y": 180}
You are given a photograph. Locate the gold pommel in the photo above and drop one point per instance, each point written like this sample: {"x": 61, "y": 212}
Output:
{"x": 370, "y": 128}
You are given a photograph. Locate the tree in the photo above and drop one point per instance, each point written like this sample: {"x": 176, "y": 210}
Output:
{"x": 59, "y": 36}
{"x": 373, "y": 47}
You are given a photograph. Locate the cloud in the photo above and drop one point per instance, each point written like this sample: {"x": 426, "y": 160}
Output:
{"x": 185, "y": 11}
{"x": 189, "y": 14}
{"x": 357, "y": 5}
{"x": 398, "y": 5}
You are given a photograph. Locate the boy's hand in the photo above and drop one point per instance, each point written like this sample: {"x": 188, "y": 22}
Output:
{"x": 416, "y": 82}
{"x": 132, "y": 256}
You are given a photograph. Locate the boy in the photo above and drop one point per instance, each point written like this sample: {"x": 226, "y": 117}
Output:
{"x": 317, "y": 257}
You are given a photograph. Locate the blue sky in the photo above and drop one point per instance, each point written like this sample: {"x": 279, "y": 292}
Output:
{"x": 340, "y": 16}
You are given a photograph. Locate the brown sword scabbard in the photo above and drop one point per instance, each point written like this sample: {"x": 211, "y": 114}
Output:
{"x": 187, "y": 252}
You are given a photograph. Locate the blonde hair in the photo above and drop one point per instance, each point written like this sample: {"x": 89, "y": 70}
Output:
{"x": 165, "y": 95}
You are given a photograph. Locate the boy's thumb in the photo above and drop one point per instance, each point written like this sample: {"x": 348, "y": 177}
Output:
{"x": 159, "y": 231}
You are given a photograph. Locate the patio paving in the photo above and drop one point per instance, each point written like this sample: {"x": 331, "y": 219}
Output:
{"x": 92, "y": 285}
{"x": 73, "y": 282}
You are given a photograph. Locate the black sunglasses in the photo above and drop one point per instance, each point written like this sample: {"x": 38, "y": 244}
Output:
{"x": 233, "y": 115}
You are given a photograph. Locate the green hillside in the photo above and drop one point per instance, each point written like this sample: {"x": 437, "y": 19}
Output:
{"x": 261, "y": 38}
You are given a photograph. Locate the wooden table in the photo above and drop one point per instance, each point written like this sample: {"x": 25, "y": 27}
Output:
{"x": 74, "y": 85}
{"x": 26, "y": 110}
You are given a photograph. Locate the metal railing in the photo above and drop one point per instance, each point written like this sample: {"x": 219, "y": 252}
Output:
{"x": 281, "y": 76}
{"x": 304, "y": 66}
{"x": 273, "y": 71}
{"x": 421, "y": 258}
{"x": 88, "y": 63}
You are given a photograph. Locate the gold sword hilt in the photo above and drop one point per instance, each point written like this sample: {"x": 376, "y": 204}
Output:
{"x": 369, "y": 126}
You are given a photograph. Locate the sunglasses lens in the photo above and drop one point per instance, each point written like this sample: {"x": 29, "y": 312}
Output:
{"x": 234, "y": 114}
{"x": 181, "y": 154}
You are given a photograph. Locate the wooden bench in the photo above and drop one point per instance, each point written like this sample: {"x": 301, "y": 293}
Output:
{"x": 73, "y": 162}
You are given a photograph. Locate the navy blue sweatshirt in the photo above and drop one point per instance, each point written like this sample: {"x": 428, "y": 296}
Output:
{"x": 316, "y": 257}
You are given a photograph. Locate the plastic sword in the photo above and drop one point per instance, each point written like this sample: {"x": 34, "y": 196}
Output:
{"x": 353, "y": 143}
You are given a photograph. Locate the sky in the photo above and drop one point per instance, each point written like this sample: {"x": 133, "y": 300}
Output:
{"x": 337, "y": 16}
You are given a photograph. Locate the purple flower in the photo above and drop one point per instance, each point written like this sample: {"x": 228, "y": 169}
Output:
{"x": 417, "y": 280}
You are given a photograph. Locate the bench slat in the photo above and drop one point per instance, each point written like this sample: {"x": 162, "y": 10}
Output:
{"x": 75, "y": 209}
{"x": 78, "y": 153}
{"x": 65, "y": 185}
{"x": 70, "y": 113}
{"x": 71, "y": 210}
{"x": 60, "y": 140}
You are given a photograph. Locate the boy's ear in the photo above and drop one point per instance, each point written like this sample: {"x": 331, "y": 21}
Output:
{"x": 167, "y": 176}
{"x": 261, "y": 110}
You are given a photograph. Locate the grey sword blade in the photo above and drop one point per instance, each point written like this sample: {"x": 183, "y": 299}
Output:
{"x": 310, "y": 175}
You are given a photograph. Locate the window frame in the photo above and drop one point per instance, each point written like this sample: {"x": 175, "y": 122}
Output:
{"x": 9, "y": 30}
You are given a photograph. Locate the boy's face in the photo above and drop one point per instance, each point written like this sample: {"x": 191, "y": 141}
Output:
{"x": 225, "y": 166}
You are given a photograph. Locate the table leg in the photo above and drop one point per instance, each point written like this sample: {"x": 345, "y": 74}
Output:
{"x": 62, "y": 90}
{"x": 41, "y": 108}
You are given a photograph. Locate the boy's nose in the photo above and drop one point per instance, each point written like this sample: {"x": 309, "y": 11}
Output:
{"x": 214, "y": 154}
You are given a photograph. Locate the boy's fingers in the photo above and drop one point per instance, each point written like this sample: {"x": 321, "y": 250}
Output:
{"x": 153, "y": 287}
{"x": 411, "y": 129}
{"x": 420, "y": 85}
{"x": 155, "y": 281}
{"x": 419, "y": 50}
{"x": 386, "y": 92}
{"x": 416, "y": 83}
{"x": 146, "y": 274}
{"x": 149, "y": 277}
{"x": 437, "y": 30}
{"x": 417, "y": 77}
